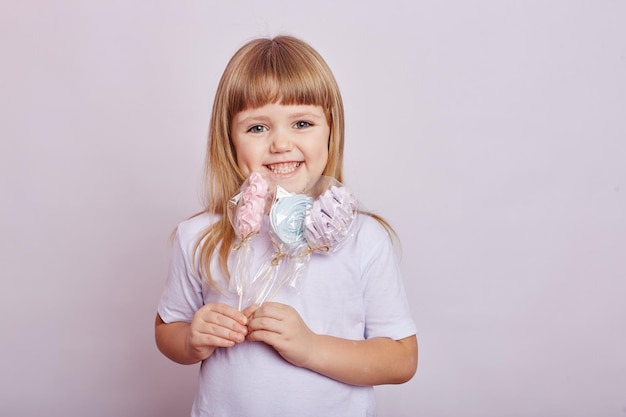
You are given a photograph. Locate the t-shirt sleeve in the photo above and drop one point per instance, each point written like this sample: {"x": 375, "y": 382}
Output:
{"x": 387, "y": 312}
{"x": 182, "y": 295}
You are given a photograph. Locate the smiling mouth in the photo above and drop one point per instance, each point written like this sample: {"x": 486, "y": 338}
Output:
{"x": 284, "y": 167}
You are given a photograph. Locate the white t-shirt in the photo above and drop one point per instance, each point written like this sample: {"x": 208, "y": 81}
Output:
{"x": 354, "y": 293}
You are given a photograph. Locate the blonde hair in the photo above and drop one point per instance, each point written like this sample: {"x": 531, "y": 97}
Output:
{"x": 282, "y": 70}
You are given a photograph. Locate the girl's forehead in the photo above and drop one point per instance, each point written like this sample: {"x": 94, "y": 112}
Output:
{"x": 280, "y": 109}
{"x": 256, "y": 102}
{"x": 258, "y": 89}
{"x": 285, "y": 109}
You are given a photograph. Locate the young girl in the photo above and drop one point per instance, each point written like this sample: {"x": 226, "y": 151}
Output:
{"x": 313, "y": 352}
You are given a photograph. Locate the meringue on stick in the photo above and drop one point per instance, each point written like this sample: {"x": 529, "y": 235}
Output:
{"x": 287, "y": 232}
{"x": 246, "y": 211}
{"x": 331, "y": 218}
{"x": 328, "y": 224}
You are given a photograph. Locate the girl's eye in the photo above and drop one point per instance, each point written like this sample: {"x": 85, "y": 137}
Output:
{"x": 257, "y": 129}
{"x": 302, "y": 125}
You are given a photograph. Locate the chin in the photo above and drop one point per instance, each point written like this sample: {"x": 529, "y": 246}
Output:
{"x": 293, "y": 185}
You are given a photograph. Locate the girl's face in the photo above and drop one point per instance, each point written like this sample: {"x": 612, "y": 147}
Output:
{"x": 287, "y": 143}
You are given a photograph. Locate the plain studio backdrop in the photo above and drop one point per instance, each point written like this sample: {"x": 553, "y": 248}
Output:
{"x": 491, "y": 134}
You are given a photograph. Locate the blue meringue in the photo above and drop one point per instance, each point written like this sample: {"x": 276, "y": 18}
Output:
{"x": 287, "y": 217}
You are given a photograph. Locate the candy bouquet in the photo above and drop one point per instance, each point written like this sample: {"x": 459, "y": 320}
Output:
{"x": 299, "y": 224}
{"x": 246, "y": 211}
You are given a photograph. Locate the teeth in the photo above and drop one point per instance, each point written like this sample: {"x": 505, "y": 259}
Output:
{"x": 284, "y": 168}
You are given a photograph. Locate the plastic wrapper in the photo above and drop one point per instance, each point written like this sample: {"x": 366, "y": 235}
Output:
{"x": 330, "y": 221}
{"x": 245, "y": 212}
{"x": 300, "y": 224}
{"x": 286, "y": 218}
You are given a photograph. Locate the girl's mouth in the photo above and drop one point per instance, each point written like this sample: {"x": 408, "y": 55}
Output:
{"x": 283, "y": 168}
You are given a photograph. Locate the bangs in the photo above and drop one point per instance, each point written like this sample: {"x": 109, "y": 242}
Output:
{"x": 279, "y": 74}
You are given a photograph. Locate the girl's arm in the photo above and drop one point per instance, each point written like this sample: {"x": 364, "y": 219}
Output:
{"x": 365, "y": 362}
{"x": 213, "y": 325}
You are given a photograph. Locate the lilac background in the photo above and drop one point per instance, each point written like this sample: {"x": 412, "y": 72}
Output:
{"x": 490, "y": 133}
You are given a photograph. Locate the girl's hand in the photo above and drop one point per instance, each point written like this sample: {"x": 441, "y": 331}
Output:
{"x": 216, "y": 325}
{"x": 374, "y": 361}
{"x": 281, "y": 327}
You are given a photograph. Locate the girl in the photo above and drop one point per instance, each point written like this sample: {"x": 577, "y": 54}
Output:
{"x": 315, "y": 352}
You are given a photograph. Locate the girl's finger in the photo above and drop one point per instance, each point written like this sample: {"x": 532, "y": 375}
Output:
{"x": 227, "y": 311}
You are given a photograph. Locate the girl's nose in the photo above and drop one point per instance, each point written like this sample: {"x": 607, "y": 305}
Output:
{"x": 280, "y": 143}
